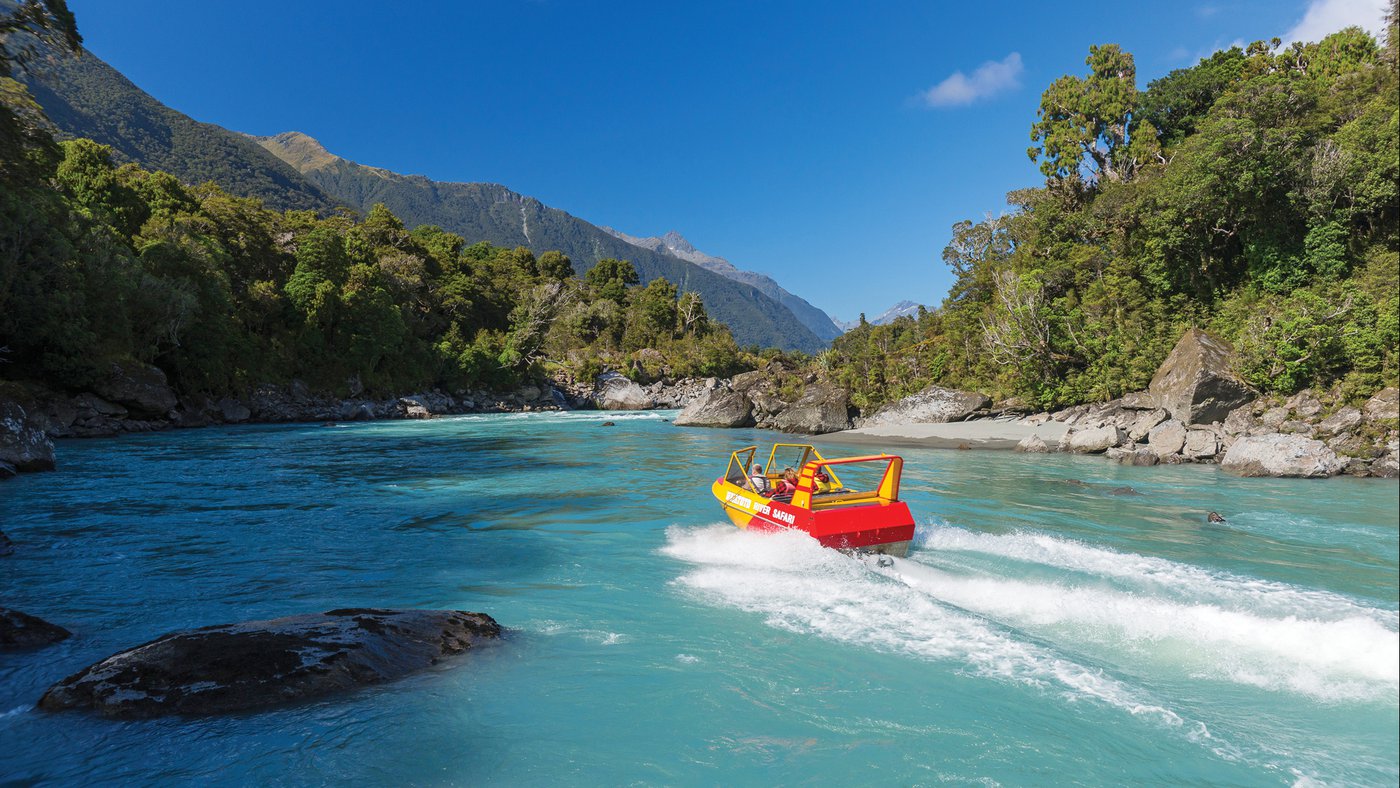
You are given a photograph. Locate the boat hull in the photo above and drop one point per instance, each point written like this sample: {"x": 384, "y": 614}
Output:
{"x": 886, "y": 528}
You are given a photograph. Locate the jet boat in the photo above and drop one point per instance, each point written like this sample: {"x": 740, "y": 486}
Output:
{"x": 849, "y": 503}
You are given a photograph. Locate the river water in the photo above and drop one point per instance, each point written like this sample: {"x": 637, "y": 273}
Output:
{"x": 1060, "y": 620}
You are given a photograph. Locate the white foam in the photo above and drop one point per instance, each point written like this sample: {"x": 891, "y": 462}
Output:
{"x": 1352, "y": 658}
{"x": 800, "y": 586}
{"x": 1156, "y": 575}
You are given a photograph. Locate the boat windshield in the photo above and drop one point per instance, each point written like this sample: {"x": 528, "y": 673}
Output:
{"x": 790, "y": 455}
{"x": 739, "y": 464}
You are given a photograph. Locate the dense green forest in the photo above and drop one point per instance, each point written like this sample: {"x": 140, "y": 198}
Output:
{"x": 102, "y": 261}
{"x": 1253, "y": 195}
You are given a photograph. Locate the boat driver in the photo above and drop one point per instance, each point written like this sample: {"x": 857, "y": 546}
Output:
{"x": 758, "y": 479}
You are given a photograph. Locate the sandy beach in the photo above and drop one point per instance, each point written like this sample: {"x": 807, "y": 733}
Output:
{"x": 980, "y": 434}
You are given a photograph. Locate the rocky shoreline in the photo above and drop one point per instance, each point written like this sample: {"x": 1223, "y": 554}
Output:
{"x": 136, "y": 398}
{"x": 1196, "y": 410}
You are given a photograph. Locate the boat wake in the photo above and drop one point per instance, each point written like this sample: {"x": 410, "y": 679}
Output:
{"x": 1036, "y": 608}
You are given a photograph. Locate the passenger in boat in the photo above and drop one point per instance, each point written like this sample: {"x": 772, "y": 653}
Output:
{"x": 823, "y": 482}
{"x": 788, "y": 485}
{"x": 759, "y": 481}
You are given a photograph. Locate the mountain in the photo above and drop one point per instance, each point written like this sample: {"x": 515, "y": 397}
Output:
{"x": 901, "y": 309}
{"x": 85, "y": 97}
{"x": 491, "y": 212}
{"x": 674, "y": 243}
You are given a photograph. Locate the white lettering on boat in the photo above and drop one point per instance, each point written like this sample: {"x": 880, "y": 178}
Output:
{"x": 743, "y": 502}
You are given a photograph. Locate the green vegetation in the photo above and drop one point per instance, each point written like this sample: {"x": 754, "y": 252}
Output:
{"x": 1254, "y": 195}
{"x": 100, "y": 262}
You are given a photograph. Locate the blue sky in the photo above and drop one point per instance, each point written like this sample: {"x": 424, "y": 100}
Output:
{"x": 830, "y": 146}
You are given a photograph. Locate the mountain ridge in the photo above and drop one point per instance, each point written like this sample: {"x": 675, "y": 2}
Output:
{"x": 676, "y": 244}
{"x": 497, "y": 214}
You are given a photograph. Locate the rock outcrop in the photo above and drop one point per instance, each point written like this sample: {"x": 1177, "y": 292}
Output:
{"x": 1281, "y": 455}
{"x": 933, "y": 405}
{"x": 717, "y": 407}
{"x": 615, "y": 392}
{"x": 822, "y": 408}
{"x": 141, "y": 388}
{"x": 21, "y": 631}
{"x": 1094, "y": 440}
{"x": 1196, "y": 384}
{"x": 1384, "y": 406}
{"x": 24, "y": 443}
{"x": 232, "y": 667}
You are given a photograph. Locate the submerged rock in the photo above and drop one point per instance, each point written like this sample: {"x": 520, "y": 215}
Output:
{"x": 231, "y": 667}
{"x": 21, "y": 630}
{"x": 6, "y": 546}
{"x": 1281, "y": 455}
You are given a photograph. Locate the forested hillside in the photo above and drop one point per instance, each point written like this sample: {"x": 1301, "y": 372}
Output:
{"x": 86, "y": 98}
{"x": 1253, "y": 195}
{"x": 490, "y": 212}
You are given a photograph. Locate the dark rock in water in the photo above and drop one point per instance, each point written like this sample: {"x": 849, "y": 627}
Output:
{"x": 1123, "y": 491}
{"x": 141, "y": 388}
{"x": 8, "y": 471}
{"x": 608, "y": 424}
{"x": 231, "y": 667}
{"x": 20, "y": 630}
{"x": 1196, "y": 384}
{"x": 1214, "y": 517}
{"x": 6, "y": 546}
{"x": 24, "y": 443}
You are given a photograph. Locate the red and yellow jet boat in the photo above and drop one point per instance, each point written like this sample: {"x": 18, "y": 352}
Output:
{"x": 850, "y": 503}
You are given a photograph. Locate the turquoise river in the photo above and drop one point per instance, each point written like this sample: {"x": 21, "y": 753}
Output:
{"x": 1061, "y": 620}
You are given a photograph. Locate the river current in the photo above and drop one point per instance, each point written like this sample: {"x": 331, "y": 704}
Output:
{"x": 1060, "y": 619}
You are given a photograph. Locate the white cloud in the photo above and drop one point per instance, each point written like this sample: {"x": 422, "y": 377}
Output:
{"x": 1325, "y": 17}
{"x": 989, "y": 79}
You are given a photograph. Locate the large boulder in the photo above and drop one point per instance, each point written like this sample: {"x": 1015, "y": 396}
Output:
{"x": 1385, "y": 406}
{"x": 1201, "y": 444}
{"x": 1095, "y": 440}
{"x": 24, "y": 442}
{"x": 231, "y": 667}
{"x": 21, "y": 630}
{"x": 1347, "y": 418}
{"x": 1033, "y": 444}
{"x": 1144, "y": 423}
{"x": 141, "y": 388}
{"x": 933, "y": 405}
{"x": 1281, "y": 455}
{"x": 823, "y": 408}
{"x": 1196, "y": 384}
{"x": 1167, "y": 438}
{"x": 718, "y": 407}
{"x": 615, "y": 392}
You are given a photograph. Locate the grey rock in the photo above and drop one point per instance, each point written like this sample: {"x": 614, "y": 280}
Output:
{"x": 1200, "y": 444}
{"x": 717, "y": 407}
{"x": 232, "y": 667}
{"x": 1387, "y": 467}
{"x": 1167, "y": 438}
{"x": 1196, "y": 384}
{"x": 1095, "y": 439}
{"x": 1273, "y": 418}
{"x": 141, "y": 388}
{"x": 1139, "y": 457}
{"x": 615, "y": 392}
{"x": 88, "y": 405}
{"x": 933, "y": 405}
{"x": 1355, "y": 466}
{"x": 1384, "y": 406}
{"x": 1032, "y": 444}
{"x": 1305, "y": 403}
{"x": 24, "y": 443}
{"x": 1352, "y": 445}
{"x": 823, "y": 408}
{"x": 233, "y": 411}
{"x": 1347, "y": 418}
{"x": 20, "y": 631}
{"x": 1296, "y": 427}
{"x": 1145, "y": 422}
{"x": 1281, "y": 455}
{"x": 1140, "y": 400}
